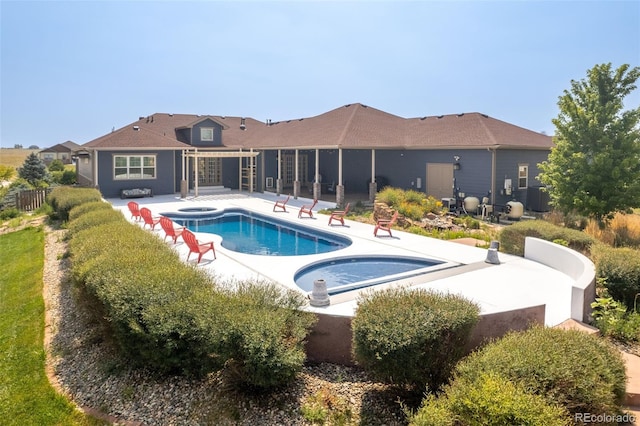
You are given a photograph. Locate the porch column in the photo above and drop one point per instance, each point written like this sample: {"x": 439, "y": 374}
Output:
{"x": 296, "y": 179}
{"x": 279, "y": 179}
{"x": 316, "y": 182}
{"x": 195, "y": 170}
{"x": 340, "y": 186}
{"x": 240, "y": 172}
{"x": 373, "y": 186}
{"x": 251, "y": 171}
{"x": 184, "y": 188}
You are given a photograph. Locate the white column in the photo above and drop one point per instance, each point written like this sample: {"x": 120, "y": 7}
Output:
{"x": 195, "y": 169}
{"x": 373, "y": 165}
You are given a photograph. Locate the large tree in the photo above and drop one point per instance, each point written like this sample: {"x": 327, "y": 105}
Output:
{"x": 594, "y": 167}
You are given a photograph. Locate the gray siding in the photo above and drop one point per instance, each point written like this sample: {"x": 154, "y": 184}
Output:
{"x": 162, "y": 184}
{"x": 507, "y": 161}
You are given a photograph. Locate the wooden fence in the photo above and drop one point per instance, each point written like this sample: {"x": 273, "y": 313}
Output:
{"x": 31, "y": 199}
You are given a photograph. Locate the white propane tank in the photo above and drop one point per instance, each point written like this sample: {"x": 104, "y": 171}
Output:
{"x": 515, "y": 209}
{"x": 471, "y": 204}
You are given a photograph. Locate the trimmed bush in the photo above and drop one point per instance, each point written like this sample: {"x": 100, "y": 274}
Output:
{"x": 169, "y": 316}
{"x": 64, "y": 198}
{"x": 581, "y": 372}
{"x": 489, "y": 400}
{"x": 412, "y": 337}
{"x": 513, "y": 236}
{"x": 620, "y": 267}
{"x": 266, "y": 334}
{"x": 92, "y": 214}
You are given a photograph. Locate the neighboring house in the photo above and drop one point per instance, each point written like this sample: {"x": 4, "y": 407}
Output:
{"x": 342, "y": 151}
{"x": 61, "y": 151}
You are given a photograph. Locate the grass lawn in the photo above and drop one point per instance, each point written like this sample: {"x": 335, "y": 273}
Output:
{"x": 26, "y": 397}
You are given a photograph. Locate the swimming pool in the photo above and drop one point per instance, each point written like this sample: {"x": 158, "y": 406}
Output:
{"x": 253, "y": 233}
{"x": 344, "y": 274}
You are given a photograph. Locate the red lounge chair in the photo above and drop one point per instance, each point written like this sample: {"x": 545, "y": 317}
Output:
{"x": 386, "y": 224}
{"x": 281, "y": 204}
{"x": 148, "y": 218}
{"x": 339, "y": 214}
{"x": 170, "y": 229}
{"x": 195, "y": 246}
{"x": 307, "y": 209}
{"x": 134, "y": 209}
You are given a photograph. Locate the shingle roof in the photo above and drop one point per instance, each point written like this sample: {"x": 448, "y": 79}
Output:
{"x": 349, "y": 126}
{"x": 62, "y": 147}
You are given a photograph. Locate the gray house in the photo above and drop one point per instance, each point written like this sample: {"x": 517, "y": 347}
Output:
{"x": 354, "y": 149}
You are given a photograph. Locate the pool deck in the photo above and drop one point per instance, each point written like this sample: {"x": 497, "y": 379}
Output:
{"x": 515, "y": 283}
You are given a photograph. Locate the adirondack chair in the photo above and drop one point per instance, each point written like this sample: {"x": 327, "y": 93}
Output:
{"x": 195, "y": 246}
{"x": 281, "y": 204}
{"x": 148, "y": 218}
{"x": 135, "y": 210}
{"x": 307, "y": 209}
{"x": 170, "y": 229}
{"x": 339, "y": 214}
{"x": 385, "y": 224}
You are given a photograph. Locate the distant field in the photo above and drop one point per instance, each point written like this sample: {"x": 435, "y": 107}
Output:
{"x": 14, "y": 157}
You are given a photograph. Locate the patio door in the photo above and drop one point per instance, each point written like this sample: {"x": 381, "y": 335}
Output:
{"x": 289, "y": 169}
{"x": 440, "y": 180}
{"x": 209, "y": 171}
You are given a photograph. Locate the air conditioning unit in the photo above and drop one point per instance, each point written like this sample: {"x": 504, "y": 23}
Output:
{"x": 269, "y": 182}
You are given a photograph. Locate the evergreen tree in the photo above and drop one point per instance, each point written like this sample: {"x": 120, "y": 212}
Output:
{"x": 594, "y": 168}
{"x": 34, "y": 170}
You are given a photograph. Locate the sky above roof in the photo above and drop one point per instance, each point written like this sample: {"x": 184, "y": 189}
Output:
{"x": 74, "y": 70}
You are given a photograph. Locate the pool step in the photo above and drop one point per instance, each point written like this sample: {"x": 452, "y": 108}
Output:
{"x": 414, "y": 280}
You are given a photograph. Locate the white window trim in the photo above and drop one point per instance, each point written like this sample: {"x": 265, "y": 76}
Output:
{"x": 128, "y": 176}
{"x": 202, "y": 138}
{"x": 526, "y": 178}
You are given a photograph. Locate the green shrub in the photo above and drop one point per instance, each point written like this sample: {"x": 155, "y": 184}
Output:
{"x": 9, "y": 198}
{"x": 613, "y": 320}
{"x": 410, "y": 211}
{"x": 621, "y": 269}
{"x": 96, "y": 215}
{"x": 266, "y": 334}
{"x": 390, "y": 196}
{"x": 578, "y": 371}
{"x": 488, "y": 400}
{"x": 64, "y": 198}
{"x": 512, "y": 237}
{"x": 414, "y": 197}
{"x": 56, "y": 166}
{"x": 9, "y": 213}
{"x": 163, "y": 313}
{"x": 85, "y": 208}
{"x": 169, "y": 316}
{"x": 412, "y": 337}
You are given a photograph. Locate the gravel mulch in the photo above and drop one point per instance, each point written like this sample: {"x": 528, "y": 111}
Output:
{"x": 83, "y": 364}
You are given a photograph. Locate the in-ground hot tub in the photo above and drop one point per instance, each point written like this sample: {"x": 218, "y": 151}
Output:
{"x": 349, "y": 273}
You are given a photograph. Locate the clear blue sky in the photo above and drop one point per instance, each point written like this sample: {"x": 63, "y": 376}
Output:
{"x": 73, "y": 70}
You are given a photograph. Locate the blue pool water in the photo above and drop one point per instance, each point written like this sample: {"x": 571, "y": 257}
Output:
{"x": 247, "y": 232}
{"x": 345, "y": 274}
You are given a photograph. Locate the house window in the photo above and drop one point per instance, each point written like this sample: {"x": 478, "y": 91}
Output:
{"x": 206, "y": 134}
{"x": 523, "y": 176}
{"x": 134, "y": 167}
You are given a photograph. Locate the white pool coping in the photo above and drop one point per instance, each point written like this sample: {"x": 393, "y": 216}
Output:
{"x": 514, "y": 284}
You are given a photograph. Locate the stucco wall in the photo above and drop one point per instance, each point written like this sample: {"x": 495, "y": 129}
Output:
{"x": 330, "y": 339}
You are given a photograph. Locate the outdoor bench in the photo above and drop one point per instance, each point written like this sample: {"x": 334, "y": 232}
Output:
{"x": 136, "y": 193}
